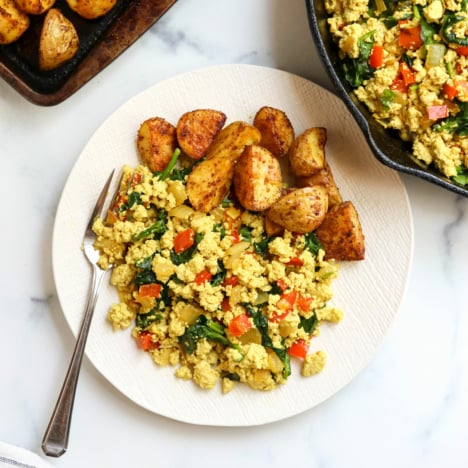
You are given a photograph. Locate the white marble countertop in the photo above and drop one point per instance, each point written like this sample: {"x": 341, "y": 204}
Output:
{"x": 408, "y": 408}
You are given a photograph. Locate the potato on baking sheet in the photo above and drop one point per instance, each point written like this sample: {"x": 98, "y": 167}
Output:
{"x": 156, "y": 143}
{"x": 307, "y": 154}
{"x": 276, "y": 129}
{"x": 197, "y": 129}
{"x": 34, "y": 7}
{"x": 257, "y": 178}
{"x": 341, "y": 233}
{"x": 13, "y": 22}
{"x": 209, "y": 183}
{"x": 323, "y": 177}
{"x": 301, "y": 210}
{"x": 91, "y": 9}
{"x": 232, "y": 140}
{"x": 58, "y": 42}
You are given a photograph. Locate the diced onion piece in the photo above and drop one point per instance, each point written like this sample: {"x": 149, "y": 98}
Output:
{"x": 435, "y": 54}
{"x": 233, "y": 254}
{"x": 181, "y": 212}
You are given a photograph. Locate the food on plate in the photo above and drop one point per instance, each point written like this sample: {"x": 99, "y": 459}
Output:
{"x": 257, "y": 178}
{"x": 197, "y": 129}
{"x": 91, "y": 9}
{"x": 34, "y": 7}
{"x": 407, "y": 62}
{"x": 13, "y": 22}
{"x": 156, "y": 142}
{"x": 276, "y": 129}
{"x": 212, "y": 285}
{"x": 59, "y": 40}
{"x": 307, "y": 154}
{"x": 340, "y": 233}
{"x": 301, "y": 210}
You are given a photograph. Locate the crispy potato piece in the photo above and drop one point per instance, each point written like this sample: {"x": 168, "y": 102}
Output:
{"x": 156, "y": 143}
{"x": 276, "y": 129}
{"x": 323, "y": 177}
{"x": 13, "y": 22}
{"x": 209, "y": 182}
{"x": 197, "y": 129}
{"x": 91, "y": 9}
{"x": 271, "y": 228}
{"x": 34, "y": 7}
{"x": 301, "y": 210}
{"x": 58, "y": 42}
{"x": 341, "y": 233}
{"x": 257, "y": 178}
{"x": 232, "y": 140}
{"x": 307, "y": 154}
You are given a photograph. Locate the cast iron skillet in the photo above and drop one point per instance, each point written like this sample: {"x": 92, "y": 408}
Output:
{"x": 387, "y": 147}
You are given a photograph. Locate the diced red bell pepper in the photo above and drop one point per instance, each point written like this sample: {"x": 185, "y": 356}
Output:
{"x": 150, "y": 290}
{"x": 225, "y": 305}
{"x": 462, "y": 50}
{"x": 376, "y": 56}
{"x": 145, "y": 342}
{"x": 284, "y": 305}
{"x": 437, "y": 112}
{"x": 407, "y": 74}
{"x": 281, "y": 284}
{"x": 203, "y": 277}
{"x": 399, "y": 84}
{"x": 184, "y": 240}
{"x": 235, "y": 236}
{"x": 295, "y": 261}
{"x": 231, "y": 281}
{"x": 409, "y": 38}
{"x": 299, "y": 349}
{"x": 450, "y": 91}
{"x": 304, "y": 303}
{"x": 239, "y": 325}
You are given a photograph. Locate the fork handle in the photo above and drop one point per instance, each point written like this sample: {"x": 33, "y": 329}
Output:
{"x": 55, "y": 441}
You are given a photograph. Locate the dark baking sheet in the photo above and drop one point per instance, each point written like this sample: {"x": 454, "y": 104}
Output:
{"x": 101, "y": 41}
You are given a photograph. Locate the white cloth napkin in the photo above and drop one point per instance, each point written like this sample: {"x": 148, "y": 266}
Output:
{"x": 16, "y": 457}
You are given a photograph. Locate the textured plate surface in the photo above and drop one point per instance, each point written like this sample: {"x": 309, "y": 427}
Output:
{"x": 369, "y": 292}
{"x": 386, "y": 145}
{"x": 101, "y": 41}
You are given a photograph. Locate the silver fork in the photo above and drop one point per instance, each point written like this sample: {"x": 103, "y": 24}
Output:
{"x": 55, "y": 441}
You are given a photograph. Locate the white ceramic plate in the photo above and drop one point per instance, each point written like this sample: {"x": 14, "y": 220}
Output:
{"x": 370, "y": 292}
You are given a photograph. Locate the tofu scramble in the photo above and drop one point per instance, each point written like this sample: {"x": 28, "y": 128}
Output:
{"x": 211, "y": 293}
{"x": 407, "y": 62}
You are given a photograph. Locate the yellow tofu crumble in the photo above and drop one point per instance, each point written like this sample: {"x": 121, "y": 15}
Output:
{"x": 211, "y": 293}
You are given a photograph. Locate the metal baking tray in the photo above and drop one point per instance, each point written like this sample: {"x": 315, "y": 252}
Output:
{"x": 101, "y": 41}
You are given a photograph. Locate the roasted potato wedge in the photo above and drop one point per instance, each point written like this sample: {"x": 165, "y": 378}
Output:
{"x": 276, "y": 129}
{"x": 13, "y": 22}
{"x": 34, "y": 7}
{"x": 257, "y": 178}
{"x": 323, "y": 177}
{"x": 341, "y": 233}
{"x": 91, "y": 9}
{"x": 301, "y": 210}
{"x": 58, "y": 42}
{"x": 232, "y": 140}
{"x": 156, "y": 143}
{"x": 197, "y": 129}
{"x": 307, "y": 154}
{"x": 209, "y": 182}
{"x": 271, "y": 228}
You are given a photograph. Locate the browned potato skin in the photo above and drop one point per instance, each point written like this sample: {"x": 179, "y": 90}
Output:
{"x": 271, "y": 228}
{"x": 307, "y": 154}
{"x": 257, "y": 178}
{"x": 197, "y": 129}
{"x": 58, "y": 42}
{"x": 91, "y": 9}
{"x": 209, "y": 182}
{"x": 323, "y": 177}
{"x": 34, "y": 7}
{"x": 341, "y": 233}
{"x": 156, "y": 143}
{"x": 13, "y": 22}
{"x": 276, "y": 129}
{"x": 301, "y": 210}
{"x": 232, "y": 139}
